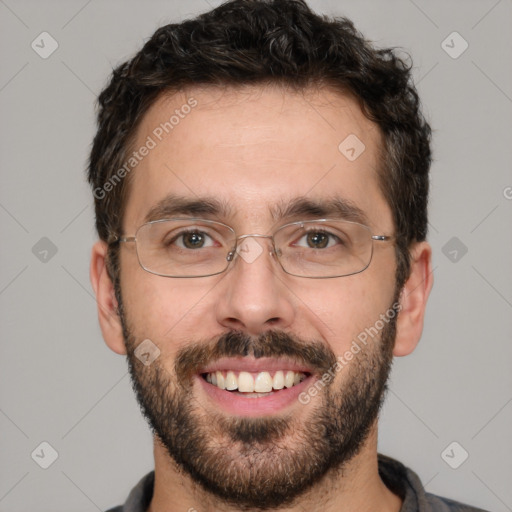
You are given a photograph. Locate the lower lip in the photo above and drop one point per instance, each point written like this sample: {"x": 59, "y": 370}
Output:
{"x": 264, "y": 405}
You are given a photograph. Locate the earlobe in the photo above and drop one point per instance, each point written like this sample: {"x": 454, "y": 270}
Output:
{"x": 413, "y": 300}
{"x": 108, "y": 317}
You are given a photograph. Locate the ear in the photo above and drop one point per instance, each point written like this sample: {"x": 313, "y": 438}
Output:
{"x": 108, "y": 316}
{"x": 413, "y": 300}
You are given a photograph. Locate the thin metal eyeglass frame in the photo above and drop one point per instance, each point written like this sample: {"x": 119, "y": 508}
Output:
{"x": 231, "y": 254}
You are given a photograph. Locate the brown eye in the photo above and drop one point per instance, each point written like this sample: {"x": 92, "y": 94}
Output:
{"x": 193, "y": 240}
{"x": 317, "y": 240}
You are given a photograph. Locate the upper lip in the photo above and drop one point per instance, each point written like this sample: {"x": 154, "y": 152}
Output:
{"x": 250, "y": 364}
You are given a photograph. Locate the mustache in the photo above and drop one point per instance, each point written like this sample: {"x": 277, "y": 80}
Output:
{"x": 314, "y": 354}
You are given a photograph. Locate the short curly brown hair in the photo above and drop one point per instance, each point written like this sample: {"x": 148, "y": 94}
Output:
{"x": 269, "y": 42}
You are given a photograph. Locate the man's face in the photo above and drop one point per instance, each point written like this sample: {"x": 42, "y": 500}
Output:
{"x": 254, "y": 151}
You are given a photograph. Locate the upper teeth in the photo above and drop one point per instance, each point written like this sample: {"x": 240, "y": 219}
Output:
{"x": 262, "y": 383}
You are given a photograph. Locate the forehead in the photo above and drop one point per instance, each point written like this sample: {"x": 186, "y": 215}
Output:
{"x": 256, "y": 152}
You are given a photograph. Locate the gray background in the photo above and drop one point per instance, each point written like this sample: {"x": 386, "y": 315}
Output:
{"x": 60, "y": 383}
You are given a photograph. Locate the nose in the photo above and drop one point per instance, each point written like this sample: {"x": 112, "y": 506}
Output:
{"x": 253, "y": 296}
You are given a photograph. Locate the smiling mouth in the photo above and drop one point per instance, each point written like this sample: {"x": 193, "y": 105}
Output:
{"x": 254, "y": 384}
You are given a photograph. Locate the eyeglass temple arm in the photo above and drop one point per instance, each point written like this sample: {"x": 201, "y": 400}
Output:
{"x": 114, "y": 239}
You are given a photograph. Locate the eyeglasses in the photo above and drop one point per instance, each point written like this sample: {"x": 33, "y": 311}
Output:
{"x": 191, "y": 247}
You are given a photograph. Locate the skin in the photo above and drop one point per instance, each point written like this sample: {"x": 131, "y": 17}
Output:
{"x": 253, "y": 148}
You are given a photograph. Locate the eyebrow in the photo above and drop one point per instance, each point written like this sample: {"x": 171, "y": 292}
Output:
{"x": 306, "y": 208}
{"x": 333, "y": 207}
{"x": 173, "y": 205}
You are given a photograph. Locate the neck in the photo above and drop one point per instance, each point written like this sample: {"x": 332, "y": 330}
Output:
{"x": 358, "y": 488}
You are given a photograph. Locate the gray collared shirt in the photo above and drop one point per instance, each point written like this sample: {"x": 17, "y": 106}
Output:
{"x": 399, "y": 479}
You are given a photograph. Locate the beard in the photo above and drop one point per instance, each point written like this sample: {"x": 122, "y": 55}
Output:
{"x": 267, "y": 462}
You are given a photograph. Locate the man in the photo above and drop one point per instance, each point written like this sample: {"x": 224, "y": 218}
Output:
{"x": 260, "y": 176}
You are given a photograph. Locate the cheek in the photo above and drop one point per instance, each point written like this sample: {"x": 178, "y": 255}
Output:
{"x": 344, "y": 308}
{"x": 167, "y": 311}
